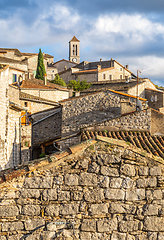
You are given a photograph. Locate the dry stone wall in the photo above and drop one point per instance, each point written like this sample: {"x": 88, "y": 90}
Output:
{"x": 104, "y": 193}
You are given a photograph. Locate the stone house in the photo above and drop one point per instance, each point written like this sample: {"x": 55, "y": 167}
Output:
{"x": 97, "y": 71}
{"x": 100, "y": 189}
{"x": 155, "y": 98}
{"x": 63, "y": 64}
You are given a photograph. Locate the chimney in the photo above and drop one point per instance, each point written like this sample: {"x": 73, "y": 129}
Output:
{"x": 127, "y": 66}
{"x": 98, "y": 67}
{"x": 45, "y": 79}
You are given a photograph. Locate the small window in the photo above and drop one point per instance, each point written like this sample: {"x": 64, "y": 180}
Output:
{"x": 110, "y": 77}
{"x": 152, "y": 98}
{"x": 14, "y": 78}
{"x": 52, "y": 70}
{"x": 121, "y": 77}
{"x": 26, "y": 104}
{"x": 104, "y": 76}
{"x": 155, "y": 98}
{"x": 120, "y": 69}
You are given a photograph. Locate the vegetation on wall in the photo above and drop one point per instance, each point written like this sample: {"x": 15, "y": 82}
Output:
{"x": 59, "y": 81}
{"x": 40, "y": 72}
{"x": 79, "y": 85}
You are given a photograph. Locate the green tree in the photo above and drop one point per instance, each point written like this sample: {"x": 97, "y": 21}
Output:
{"x": 40, "y": 72}
{"x": 79, "y": 85}
{"x": 59, "y": 81}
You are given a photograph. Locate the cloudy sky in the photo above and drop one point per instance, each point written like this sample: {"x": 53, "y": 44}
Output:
{"x": 131, "y": 32}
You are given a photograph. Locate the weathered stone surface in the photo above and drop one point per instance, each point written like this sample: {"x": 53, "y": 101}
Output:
{"x": 9, "y": 211}
{"x": 88, "y": 225}
{"x": 35, "y": 223}
{"x": 16, "y": 237}
{"x": 30, "y": 193}
{"x": 128, "y": 226}
{"x": 117, "y": 194}
{"x": 94, "y": 168}
{"x": 135, "y": 194}
{"x": 94, "y": 195}
{"x": 64, "y": 196}
{"x": 2, "y": 238}
{"x": 58, "y": 180}
{"x": 69, "y": 209}
{"x": 130, "y": 237}
{"x": 128, "y": 183}
{"x": 143, "y": 171}
{"x": 103, "y": 181}
{"x": 118, "y": 236}
{"x": 98, "y": 209}
{"x": 52, "y": 210}
{"x": 108, "y": 159}
{"x": 152, "y": 182}
{"x": 115, "y": 182}
{"x": 107, "y": 225}
{"x": 109, "y": 171}
{"x": 152, "y": 236}
{"x": 12, "y": 226}
{"x": 49, "y": 194}
{"x": 128, "y": 170}
{"x": 85, "y": 236}
{"x": 88, "y": 179}
{"x": 38, "y": 182}
{"x": 160, "y": 236}
{"x": 78, "y": 196}
{"x": 122, "y": 208}
{"x": 141, "y": 183}
{"x": 71, "y": 179}
{"x": 155, "y": 171}
{"x": 150, "y": 210}
{"x": 31, "y": 210}
{"x": 153, "y": 194}
{"x": 154, "y": 224}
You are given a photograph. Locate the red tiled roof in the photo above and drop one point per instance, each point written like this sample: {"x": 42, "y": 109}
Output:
{"x": 152, "y": 144}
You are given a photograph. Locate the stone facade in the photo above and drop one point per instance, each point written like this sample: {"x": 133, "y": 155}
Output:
{"x": 99, "y": 191}
{"x": 155, "y": 98}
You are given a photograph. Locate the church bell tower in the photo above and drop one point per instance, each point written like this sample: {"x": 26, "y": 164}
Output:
{"x": 74, "y": 50}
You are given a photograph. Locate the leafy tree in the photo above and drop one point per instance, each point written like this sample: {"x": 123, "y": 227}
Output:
{"x": 79, "y": 85}
{"x": 59, "y": 81}
{"x": 40, "y": 72}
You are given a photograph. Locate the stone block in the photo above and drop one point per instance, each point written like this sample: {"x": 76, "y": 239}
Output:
{"x": 94, "y": 195}
{"x": 130, "y": 237}
{"x": 30, "y": 193}
{"x": 63, "y": 196}
{"x": 160, "y": 236}
{"x": 2, "y": 238}
{"x": 31, "y": 210}
{"x": 16, "y": 237}
{"x": 128, "y": 170}
{"x": 69, "y": 209}
{"x": 58, "y": 180}
{"x": 85, "y": 236}
{"x": 128, "y": 183}
{"x": 115, "y": 182}
{"x": 94, "y": 168}
{"x": 152, "y": 236}
{"x": 150, "y": 210}
{"x": 141, "y": 183}
{"x": 118, "y": 236}
{"x": 153, "y": 194}
{"x": 115, "y": 194}
{"x": 108, "y": 159}
{"x": 152, "y": 182}
{"x": 143, "y": 171}
{"x": 38, "y": 182}
{"x": 154, "y": 224}
{"x": 122, "y": 208}
{"x": 128, "y": 226}
{"x": 9, "y": 211}
{"x": 49, "y": 194}
{"x": 88, "y": 225}
{"x": 107, "y": 225}
{"x": 135, "y": 194}
{"x": 109, "y": 171}
{"x": 33, "y": 224}
{"x": 71, "y": 179}
{"x": 103, "y": 181}
{"x": 12, "y": 226}
{"x": 77, "y": 196}
{"x": 52, "y": 210}
{"x": 88, "y": 179}
{"x": 98, "y": 209}
{"x": 155, "y": 171}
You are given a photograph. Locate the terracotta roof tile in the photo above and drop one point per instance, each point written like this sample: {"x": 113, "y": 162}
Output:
{"x": 74, "y": 39}
{"x": 152, "y": 144}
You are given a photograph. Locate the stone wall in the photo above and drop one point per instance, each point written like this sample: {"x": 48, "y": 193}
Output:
{"x": 101, "y": 193}
{"x": 155, "y": 98}
{"x": 157, "y": 124}
{"x": 85, "y": 110}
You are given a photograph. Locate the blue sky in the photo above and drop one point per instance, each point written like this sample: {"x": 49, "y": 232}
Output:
{"x": 131, "y": 32}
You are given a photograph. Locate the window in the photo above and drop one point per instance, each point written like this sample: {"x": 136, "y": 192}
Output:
{"x": 26, "y": 104}
{"x": 76, "y": 50}
{"x": 152, "y": 98}
{"x": 120, "y": 69}
{"x": 110, "y": 77}
{"x": 155, "y": 98}
{"x": 14, "y": 78}
{"x": 104, "y": 76}
{"x": 121, "y": 77}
